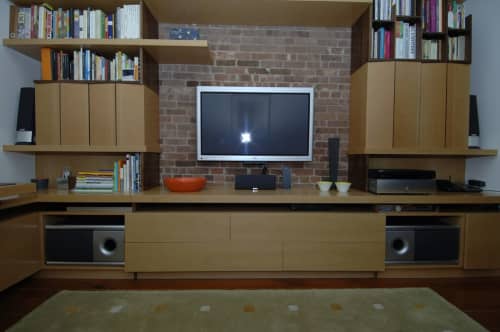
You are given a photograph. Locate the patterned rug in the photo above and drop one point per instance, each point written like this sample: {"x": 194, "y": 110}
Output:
{"x": 400, "y": 309}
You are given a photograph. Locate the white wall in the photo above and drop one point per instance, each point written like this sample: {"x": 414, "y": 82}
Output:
{"x": 485, "y": 83}
{"x": 16, "y": 71}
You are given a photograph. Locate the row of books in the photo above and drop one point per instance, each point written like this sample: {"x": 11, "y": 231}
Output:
{"x": 125, "y": 177}
{"x": 382, "y": 10}
{"x": 406, "y": 41}
{"x": 84, "y": 64}
{"x": 45, "y": 22}
{"x": 431, "y": 49}
{"x": 404, "y": 8}
{"x": 456, "y": 48}
{"x": 127, "y": 174}
{"x": 456, "y": 15}
{"x": 381, "y": 43}
{"x": 432, "y": 18}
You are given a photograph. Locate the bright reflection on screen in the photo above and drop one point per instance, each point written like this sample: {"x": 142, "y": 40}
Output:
{"x": 246, "y": 137}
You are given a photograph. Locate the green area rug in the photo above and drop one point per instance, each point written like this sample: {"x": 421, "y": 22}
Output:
{"x": 401, "y": 309}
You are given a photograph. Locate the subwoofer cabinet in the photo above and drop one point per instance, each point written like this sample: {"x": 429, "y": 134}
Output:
{"x": 84, "y": 239}
{"x": 420, "y": 241}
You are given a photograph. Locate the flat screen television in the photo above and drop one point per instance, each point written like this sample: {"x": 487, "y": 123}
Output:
{"x": 254, "y": 123}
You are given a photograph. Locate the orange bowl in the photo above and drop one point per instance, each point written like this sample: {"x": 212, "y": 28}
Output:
{"x": 184, "y": 184}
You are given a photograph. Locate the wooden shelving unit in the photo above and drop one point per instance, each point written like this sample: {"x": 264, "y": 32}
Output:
{"x": 161, "y": 50}
{"x": 426, "y": 152}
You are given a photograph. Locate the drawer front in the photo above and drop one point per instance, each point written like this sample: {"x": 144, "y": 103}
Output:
{"x": 308, "y": 226}
{"x": 203, "y": 256}
{"x": 328, "y": 256}
{"x": 176, "y": 227}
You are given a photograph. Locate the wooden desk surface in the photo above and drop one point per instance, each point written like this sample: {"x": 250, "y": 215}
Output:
{"x": 299, "y": 194}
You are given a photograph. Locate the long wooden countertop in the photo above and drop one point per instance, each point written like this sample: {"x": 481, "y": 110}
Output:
{"x": 299, "y": 194}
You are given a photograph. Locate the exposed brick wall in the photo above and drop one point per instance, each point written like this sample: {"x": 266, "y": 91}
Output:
{"x": 258, "y": 56}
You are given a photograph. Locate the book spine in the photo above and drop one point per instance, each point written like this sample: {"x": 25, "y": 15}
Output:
{"x": 13, "y": 19}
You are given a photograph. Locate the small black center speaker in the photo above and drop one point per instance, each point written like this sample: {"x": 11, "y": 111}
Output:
{"x": 333, "y": 157}
{"x": 255, "y": 182}
{"x": 25, "y": 130}
{"x": 474, "y": 142}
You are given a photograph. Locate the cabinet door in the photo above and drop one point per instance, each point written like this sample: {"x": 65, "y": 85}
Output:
{"x": 406, "y": 104}
{"x": 20, "y": 248}
{"x": 47, "y": 114}
{"x": 433, "y": 106}
{"x": 457, "y": 106}
{"x": 482, "y": 244}
{"x": 130, "y": 119}
{"x": 75, "y": 114}
{"x": 102, "y": 114}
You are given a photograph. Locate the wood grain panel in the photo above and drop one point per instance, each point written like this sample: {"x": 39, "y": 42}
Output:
{"x": 130, "y": 114}
{"x": 151, "y": 119}
{"x": 308, "y": 226}
{"x": 328, "y": 256}
{"x": 47, "y": 114}
{"x": 433, "y": 106}
{"x": 176, "y": 227}
{"x": 20, "y": 254}
{"x": 482, "y": 245}
{"x": 203, "y": 256}
{"x": 457, "y": 106}
{"x": 102, "y": 114}
{"x": 357, "y": 109}
{"x": 380, "y": 105}
{"x": 75, "y": 114}
{"x": 406, "y": 104}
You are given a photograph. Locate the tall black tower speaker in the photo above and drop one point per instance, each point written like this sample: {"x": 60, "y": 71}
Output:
{"x": 474, "y": 142}
{"x": 333, "y": 157}
{"x": 25, "y": 130}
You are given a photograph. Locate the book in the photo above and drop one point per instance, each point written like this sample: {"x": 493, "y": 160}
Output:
{"x": 46, "y": 63}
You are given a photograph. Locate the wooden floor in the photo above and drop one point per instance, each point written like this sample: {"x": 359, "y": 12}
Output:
{"x": 478, "y": 297}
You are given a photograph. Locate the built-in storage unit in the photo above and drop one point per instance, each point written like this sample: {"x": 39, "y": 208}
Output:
{"x": 20, "y": 248}
{"x": 254, "y": 241}
{"x": 482, "y": 247}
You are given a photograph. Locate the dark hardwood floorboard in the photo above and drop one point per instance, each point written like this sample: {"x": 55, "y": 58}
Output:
{"x": 478, "y": 297}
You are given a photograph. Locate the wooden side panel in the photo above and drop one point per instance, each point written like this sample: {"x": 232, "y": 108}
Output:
{"x": 203, "y": 256}
{"x": 360, "y": 40}
{"x": 75, "y": 114}
{"x": 457, "y": 106}
{"x": 328, "y": 256}
{"x": 176, "y": 227}
{"x": 310, "y": 226}
{"x": 482, "y": 247}
{"x": 20, "y": 248}
{"x": 130, "y": 114}
{"x": 380, "y": 105}
{"x": 102, "y": 114}
{"x": 433, "y": 106}
{"x": 357, "y": 111}
{"x": 47, "y": 114}
{"x": 406, "y": 104}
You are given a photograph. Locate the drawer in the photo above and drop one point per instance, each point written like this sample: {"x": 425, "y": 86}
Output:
{"x": 176, "y": 227}
{"x": 328, "y": 256}
{"x": 203, "y": 256}
{"x": 308, "y": 226}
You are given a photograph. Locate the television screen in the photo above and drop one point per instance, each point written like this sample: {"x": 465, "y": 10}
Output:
{"x": 254, "y": 124}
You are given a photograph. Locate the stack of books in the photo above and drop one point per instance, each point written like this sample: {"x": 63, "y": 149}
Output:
{"x": 127, "y": 174}
{"x": 84, "y": 64}
{"x": 404, "y": 7}
{"x": 432, "y": 20}
{"x": 456, "y": 15}
{"x": 381, "y": 48}
{"x": 431, "y": 49}
{"x": 94, "y": 181}
{"x": 406, "y": 41}
{"x": 45, "y": 22}
{"x": 456, "y": 48}
{"x": 382, "y": 10}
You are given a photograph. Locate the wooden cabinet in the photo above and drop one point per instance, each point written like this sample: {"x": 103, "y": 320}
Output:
{"x": 482, "y": 244}
{"x": 102, "y": 114}
{"x": 74, "y": 99}
{"x": 457, "y": 105}
{"x": 407, "y": 104}
{"x": 20, "y": 248}
{"x": 254, "y": 241}
{"x": 47, "y": 114}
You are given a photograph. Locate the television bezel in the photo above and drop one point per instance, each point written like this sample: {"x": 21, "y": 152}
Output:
{"x": 254, "y": 158}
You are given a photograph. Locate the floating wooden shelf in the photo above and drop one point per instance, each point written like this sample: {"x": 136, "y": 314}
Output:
{"x": 17, "y": 189}
{"x": 427, "y": 152}
{"x": 162, "y": 50}
{"x": 78, "y": 149}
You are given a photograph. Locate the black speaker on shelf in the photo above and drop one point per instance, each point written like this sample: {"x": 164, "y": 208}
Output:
{"x": 333, "y": 157}
{"x": 25, "y": 129}
{"x": 474, "y": 142}
{"x": 255, "y": 182}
